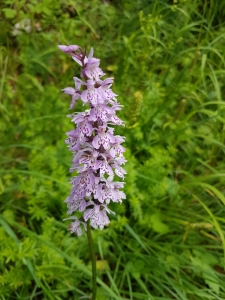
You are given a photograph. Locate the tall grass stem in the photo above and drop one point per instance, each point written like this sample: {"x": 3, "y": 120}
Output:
{"x": 93, "y": 259}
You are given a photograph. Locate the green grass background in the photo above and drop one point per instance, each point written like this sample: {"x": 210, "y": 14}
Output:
{"x": 167, "y": 239}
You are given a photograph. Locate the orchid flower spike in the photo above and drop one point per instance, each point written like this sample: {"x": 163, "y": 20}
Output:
{"x": 97, "y": 154}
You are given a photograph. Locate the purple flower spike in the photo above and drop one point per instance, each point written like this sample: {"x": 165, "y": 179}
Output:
{"x": 97, "y": 152}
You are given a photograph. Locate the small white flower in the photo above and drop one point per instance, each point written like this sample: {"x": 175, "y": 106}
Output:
{"x": 23, "y": 25}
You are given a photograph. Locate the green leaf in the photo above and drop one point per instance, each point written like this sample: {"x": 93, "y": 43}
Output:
{"x": 214, "y": 285}
{"x": 134, "y": 234}
{"x": 172, "y": 186}
{"x": 157, "y": 224}
{"x": 9, "y": 13}
{"x": 78, "y": 263}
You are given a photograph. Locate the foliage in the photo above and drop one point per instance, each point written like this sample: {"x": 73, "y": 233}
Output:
{"x": 167, "y": 239}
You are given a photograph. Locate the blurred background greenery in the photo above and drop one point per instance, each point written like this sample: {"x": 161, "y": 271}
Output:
{"x": 167, "y": 239}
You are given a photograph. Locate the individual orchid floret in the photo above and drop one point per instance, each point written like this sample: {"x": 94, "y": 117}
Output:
{"x": 73, "y": 93}
{"x": 116, "y": 148}
{"x": 100, "y": 112}
{"x": 91, "y": 69}
{"x": 97, "y": 153}
{"x": 75, "y": 226}
{"x": 104, "y": 138}
{"x": 105, "y": 90}
{"x": 74, "y": 51}
{"x": 92, "y": 94}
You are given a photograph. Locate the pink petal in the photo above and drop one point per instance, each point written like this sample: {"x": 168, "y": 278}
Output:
{"x": 84, "y": 96}
{"x": 96, "y": 142}
{"x": 77, "y": 60}
{"x": 91, "y": 53}
{"x": 69, "y": 91}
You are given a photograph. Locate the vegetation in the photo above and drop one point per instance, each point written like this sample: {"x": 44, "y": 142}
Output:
{"x": 167, "y": 239}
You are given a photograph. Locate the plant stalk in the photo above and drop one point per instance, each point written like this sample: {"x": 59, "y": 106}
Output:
{"x": 93, "y": 259}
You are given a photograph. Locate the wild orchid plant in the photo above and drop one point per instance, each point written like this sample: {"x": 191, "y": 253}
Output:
{"x": 97, "y": 152}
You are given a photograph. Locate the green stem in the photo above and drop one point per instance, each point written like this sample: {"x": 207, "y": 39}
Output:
{"x": 93, "y": 259}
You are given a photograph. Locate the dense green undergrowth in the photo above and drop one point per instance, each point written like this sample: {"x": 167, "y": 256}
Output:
{"x": 167, "y": 239}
